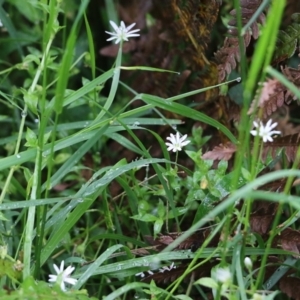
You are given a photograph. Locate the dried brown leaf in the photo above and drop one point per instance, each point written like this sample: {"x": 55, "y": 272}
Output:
{"x": 221, "y": 152}
{"x": 170, "y": 276}
{"x": 290, "y": 286}
{"x": 193, "y": 242}
{"x": 271, "y": 97}
{"x": 289, "y": 240}
{"x": 274, "y": 186}
{"x": 292, "y": 75}
{"x": 290, "y": 143}
{"x": 264, "y": 208}
{"x": 228, "y": 56}
{"x": 262, "y": 215}
{"x": 261, "y": 224}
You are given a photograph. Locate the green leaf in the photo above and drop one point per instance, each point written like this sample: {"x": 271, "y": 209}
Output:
{"x": 157, "y": 227}
{"x": 61, "y": 158}
{"x": 183, "y": 297}
{"x": 246, "y": 174}
{"x": 98, "y": 262}
{"x": 222, "y": 167}
{"x": 31, "y": 138}
{"x": 178, "y": 211}
{"x": 208, "y": 282}
{"x": 9, "y": 269}
{"x": 145, "y": 218}
{"x": 31, "y": 99}
{"x": 63, "y": 74}
{"x": 186, "y": 111}
{"x": 161, "y": 210}
{"x": 202, "y": 165}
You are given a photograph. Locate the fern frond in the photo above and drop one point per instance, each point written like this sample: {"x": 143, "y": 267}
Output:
{"x": 289, "y": 143}
{"x": 270, "y": 99}
{"x": 229, "y": 55}
{"x": 274, "y": 94}
{"x": 288, "y": 40}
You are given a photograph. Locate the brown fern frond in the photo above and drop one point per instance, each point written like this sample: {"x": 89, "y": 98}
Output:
{"x": 177, "y": 40}
{"x": 274, "y": 186}
{"x": 274, "y": 94}
{"x": 221, "y": 152}
{"x": 229, "y": 55}
{"x": 193, "y": 242}
{"x": 171, "y": 275}
{"x": 271, "y": 97}
{"x": 262, "y": 215}
{"x": 292, "y": 75}
{"x": 290, "y": 286}
{"x": 289, "y": 143}
{"x": 288, "y": 40}
{"x": 289, "y": 240}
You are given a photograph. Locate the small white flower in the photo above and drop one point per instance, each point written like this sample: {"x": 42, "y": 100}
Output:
{"x": 166, "y": 268}
{"x": 141, "y": 274}
{"x": 177, "y": 142}
{"x": 63, "y": 276}
{"x": 248, "y": 262}
{"x": 122, "y": 32}
{"x": 1, "y": 24}
{"x": 265, "y": 131}
{"x": 223, "y": 275}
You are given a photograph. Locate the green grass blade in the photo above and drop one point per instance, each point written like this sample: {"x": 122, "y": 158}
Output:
{"x": 98, "y": 262}
{"x": 186, "y": 112}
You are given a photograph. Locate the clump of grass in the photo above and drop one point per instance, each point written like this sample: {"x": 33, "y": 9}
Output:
{"x": 52, "y": 124}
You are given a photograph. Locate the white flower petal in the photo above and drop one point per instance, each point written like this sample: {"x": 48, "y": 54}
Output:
{"x": 114, "y": 26}
{"x": 274, "y": 132}
{"x": 71, "y": 281}
{"x": 52, "y": 278}
{"x": 131, "y": 26}
{"x": 57, "y": 270}
{"x": 62, "y": 286}
{"x": 185, "y": 143}
{"x": 130, "y": 35}
{"x": 122, "y": 25}
{"x": 223, "y": 275}
{"x": 62, "y": 265}
{"x": 68, "y": 271}
{"x": 269, "y": 123}
{"x": 181, "y": 138}
{"x": 135, "y": 30}
{"x": 273, "y": 125}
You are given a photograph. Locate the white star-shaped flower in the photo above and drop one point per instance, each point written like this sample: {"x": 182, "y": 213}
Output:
{"x": 176, "y": 142}
{"x": 63, "y": 276}
{"x": 122, "y": 32}
{"x": 223, "y": 275}
{"x": 265, "y": 132}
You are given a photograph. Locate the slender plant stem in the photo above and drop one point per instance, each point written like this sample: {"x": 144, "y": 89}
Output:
{"x": 36, "y": 180}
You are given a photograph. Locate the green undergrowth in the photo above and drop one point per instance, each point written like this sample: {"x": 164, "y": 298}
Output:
{"x": 60, "y": 116}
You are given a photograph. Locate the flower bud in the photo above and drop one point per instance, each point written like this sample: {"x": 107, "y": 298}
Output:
{"x": 248, "y": 263}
